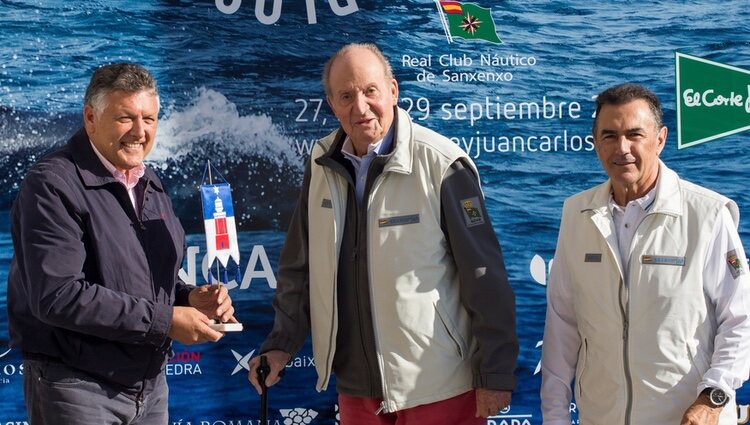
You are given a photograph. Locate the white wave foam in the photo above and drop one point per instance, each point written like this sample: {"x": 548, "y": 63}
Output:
{"x": 213, "y": 117}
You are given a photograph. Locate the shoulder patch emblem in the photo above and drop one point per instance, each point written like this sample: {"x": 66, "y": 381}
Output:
{"x": 472, "y": 211}
{"x": 735, "y": 264}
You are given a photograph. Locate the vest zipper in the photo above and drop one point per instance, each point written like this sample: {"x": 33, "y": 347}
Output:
{"x": 625, "y": 348}
{"x": 380, "y": 408}
{"x": 626, "y": 326}
{"x": 358, "y": 271}
{"x": 138, "y": 403}
{"x": 143, "y": 229}
{"x": 334, "y": 318}
{"x": 376, "y": 334}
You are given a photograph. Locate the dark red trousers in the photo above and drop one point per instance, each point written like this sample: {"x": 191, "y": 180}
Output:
{"x": 458, "y": 410}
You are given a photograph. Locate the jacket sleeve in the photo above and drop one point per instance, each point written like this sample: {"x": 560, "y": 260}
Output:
{"x": 485, "y": 291}
{"x": 49, "y": 234}
{"x": 182, "y": 294}
{"x": 292, "y": 300}
{"x": 727, "y": 284}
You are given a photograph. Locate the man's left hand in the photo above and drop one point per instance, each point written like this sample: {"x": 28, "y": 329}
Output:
{"x": 701, "y": 412}
{"x": 213, "y": 301}
{"x": 490, "y": 402}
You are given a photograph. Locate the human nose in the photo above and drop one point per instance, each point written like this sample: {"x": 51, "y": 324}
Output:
{"x": 360, "y": 104}
{"x": 139, "y": 128}
{"x": 623, "y": 145}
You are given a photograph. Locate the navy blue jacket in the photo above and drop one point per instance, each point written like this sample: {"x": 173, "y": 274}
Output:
{"x": 92, "y": 282}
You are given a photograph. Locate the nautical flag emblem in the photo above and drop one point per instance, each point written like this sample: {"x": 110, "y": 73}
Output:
{"x": 221, "y": 231}
{"x": 467, "y": 20}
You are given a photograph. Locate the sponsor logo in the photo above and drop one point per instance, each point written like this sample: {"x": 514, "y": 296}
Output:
{"x": 9, "y": 370}
{"x": 298, "y": 416}
{"x": 204, "y": 421}
{"x": 507, "y": 417}
{"x": 301, "y": 361}
{"x": 242, "y": 361}
{"x": 539, "y": 269}
{"x": 231, "y": 6}
{"x": 296, "y": 362}
{"x": 258, "y": 267}
{"x": 539, "y": 363}
{"x": 466, "y": 20}
{"x": 184, "y": 363}
{"x": 713, "y": 100}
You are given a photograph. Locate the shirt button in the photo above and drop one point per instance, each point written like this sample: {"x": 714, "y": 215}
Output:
{"x": 627, "y": 225}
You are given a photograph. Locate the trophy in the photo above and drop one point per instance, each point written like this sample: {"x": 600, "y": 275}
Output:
{"x": 221, "y": 235}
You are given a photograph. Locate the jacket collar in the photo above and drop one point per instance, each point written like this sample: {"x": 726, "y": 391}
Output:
{"x": 403, "y": 139}
{"x": 400, "y": 159}
{"x": 90, "y": 168}
{"x": 667, "y": 200}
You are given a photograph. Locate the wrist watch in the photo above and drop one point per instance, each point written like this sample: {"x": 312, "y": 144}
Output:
{"x": 716, "y": 396}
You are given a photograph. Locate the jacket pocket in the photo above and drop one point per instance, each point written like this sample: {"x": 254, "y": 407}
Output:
{"x": 581, "y": 369}
{"x": 57, "y": 375}
{"x": 452, "y": 331}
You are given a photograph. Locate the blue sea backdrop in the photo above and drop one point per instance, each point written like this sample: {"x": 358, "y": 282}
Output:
{"x": 243, "y": 90}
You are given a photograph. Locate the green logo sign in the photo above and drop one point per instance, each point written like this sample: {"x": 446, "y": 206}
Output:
{"x": 713, "y": 100}
{"x": 466, "y": 20}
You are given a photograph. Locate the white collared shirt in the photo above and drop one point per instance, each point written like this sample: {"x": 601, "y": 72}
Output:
{"x": 362, "y": 165}
{"x": 626, "y": 222}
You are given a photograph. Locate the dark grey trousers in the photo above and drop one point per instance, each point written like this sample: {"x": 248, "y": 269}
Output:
{"x": 58, "y": 395}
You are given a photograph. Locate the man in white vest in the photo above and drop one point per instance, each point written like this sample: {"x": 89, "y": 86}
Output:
{"x": 392, "y": 263}
{"x": 648, "y": 300}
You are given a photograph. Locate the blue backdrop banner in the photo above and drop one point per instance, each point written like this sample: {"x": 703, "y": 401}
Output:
{"x": 240, "y": 85}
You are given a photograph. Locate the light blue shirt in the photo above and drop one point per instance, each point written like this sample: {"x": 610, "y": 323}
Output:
{"x": 362, "y": 165}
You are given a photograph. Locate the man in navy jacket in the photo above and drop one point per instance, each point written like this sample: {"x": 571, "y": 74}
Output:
{"x": 93, "y": 295}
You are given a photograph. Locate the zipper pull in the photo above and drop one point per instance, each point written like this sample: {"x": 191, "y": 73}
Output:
{"x": 138, "y": 403}
{"x": 381, "y": 408}
{"x": 625, "y": 330}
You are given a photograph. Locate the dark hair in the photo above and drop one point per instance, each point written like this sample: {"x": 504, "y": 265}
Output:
{"x": 626, "y": 93}
{"x": 367, "y": 46}
{"x": 128, "y": 77}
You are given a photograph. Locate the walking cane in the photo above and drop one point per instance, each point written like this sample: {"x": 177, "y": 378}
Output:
{"x": 263, "y": 371}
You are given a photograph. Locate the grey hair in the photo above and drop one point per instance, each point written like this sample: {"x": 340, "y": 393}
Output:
{"x": 128, "y": 77}
{"x": 626, "y": 93}
{"x": 367, "y": 46}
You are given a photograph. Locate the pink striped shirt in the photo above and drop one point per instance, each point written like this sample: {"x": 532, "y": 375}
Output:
{"x": 129, "y": 180}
